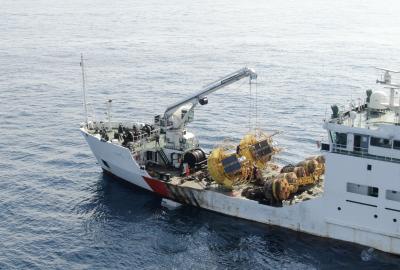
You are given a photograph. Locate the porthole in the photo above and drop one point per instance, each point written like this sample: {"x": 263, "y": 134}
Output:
{"x": 339, "y": 208}
{"x": 375, "y": 216}
{"x": 394, "y": 220}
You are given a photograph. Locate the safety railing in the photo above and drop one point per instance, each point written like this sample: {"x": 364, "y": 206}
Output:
{"x": 360, "y": 152}
{"x": 141, "y": 139}
{"x": 144, "y": 136}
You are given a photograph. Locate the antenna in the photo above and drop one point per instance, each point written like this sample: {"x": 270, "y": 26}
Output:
{"x": 386, "y": 80}
{"x": 389, "y": 70}
{"x": 109, "y": 113}
{"x": 84, "y": 89}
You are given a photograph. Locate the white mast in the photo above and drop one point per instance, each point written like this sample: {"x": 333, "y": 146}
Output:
{"x": 387, "y": 80}
{"x": 109, "y": 113}
{"x": 84, "y": 90}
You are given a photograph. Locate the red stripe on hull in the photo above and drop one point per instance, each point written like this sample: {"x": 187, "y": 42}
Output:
{"x": 158, "y": 186}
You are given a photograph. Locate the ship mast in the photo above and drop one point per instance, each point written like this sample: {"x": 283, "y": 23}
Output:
{"x": 84, "y": 89}
{"x": 387, "y": 81}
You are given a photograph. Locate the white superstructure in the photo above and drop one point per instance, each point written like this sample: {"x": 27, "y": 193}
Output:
{"x": 360, "y": 201}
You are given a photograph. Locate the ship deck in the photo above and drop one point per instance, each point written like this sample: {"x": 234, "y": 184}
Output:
{"x": 367, "y": 119}
{"x": 201, "y": 180}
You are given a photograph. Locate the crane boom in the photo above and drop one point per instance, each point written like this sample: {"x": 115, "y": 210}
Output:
{"x": 210, "y": 88}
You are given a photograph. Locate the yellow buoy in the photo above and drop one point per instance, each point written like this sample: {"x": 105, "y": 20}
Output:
{"x": 257, "y": 148}
{"x": 230, "y": 165}
{"x": 227, "y": 168}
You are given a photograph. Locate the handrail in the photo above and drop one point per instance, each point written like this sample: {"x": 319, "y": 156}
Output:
{"x": 363, "y": 153}
{"x": 140, "y": 140}
{"x": 144, "y": 135}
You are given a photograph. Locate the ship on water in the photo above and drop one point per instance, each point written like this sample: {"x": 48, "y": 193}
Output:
{"x": 350, "y": 192}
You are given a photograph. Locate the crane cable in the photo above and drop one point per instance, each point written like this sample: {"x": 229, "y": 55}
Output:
{"x": 255, "y": 105}
{"x": 250, "y": 105}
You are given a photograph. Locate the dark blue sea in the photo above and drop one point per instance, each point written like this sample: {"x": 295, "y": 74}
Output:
{"x": 59, "y": 211}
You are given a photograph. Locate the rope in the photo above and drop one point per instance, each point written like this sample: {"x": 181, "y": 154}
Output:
{"x": 251, "y": 105}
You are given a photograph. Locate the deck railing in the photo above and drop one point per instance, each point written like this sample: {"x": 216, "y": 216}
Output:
{"x": 360, "y": 152}
{"x": 142, "y": 139}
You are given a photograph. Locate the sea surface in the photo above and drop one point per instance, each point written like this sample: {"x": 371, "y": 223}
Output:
{"x": 59, "y": 211}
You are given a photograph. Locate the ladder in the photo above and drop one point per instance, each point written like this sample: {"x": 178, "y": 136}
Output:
{"x": 163, "y": 157}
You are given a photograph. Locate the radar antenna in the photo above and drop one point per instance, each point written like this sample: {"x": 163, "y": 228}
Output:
{"x": 386, "y": 78}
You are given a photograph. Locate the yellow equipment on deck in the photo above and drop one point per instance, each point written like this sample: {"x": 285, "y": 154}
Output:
{"x": 227, "y": 168}
{"x": 257, "y": 148}
{"x": 230, "y": 165}
{"x": 291, "y": 178}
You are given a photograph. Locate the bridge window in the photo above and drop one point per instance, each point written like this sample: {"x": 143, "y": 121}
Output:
{"x": 396, "y": 145}
{"x": 340, "y": 139}
{"x": 381, "y": 142}
{"x": 325, "y": 147}
{"x": 362, "y": 189}
{"x": 151, "y": 156}
{"x": 393, "y": 195}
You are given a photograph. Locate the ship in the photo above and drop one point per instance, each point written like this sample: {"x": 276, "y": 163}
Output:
{"x": 350, "y": 192}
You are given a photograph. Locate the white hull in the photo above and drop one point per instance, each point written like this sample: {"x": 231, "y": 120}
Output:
{"x": 319, "y": 216}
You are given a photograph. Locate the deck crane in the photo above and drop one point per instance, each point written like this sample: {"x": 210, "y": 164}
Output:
{"x": 186, "y": 106}
{"x": 173, "y": 123}
{"x": 178, "y": 115}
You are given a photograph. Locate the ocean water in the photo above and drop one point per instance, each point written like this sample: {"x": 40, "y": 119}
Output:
{"x": 59, "y": 211}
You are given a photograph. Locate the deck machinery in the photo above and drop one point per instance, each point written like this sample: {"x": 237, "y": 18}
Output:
{"x": 166, "y": 142}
